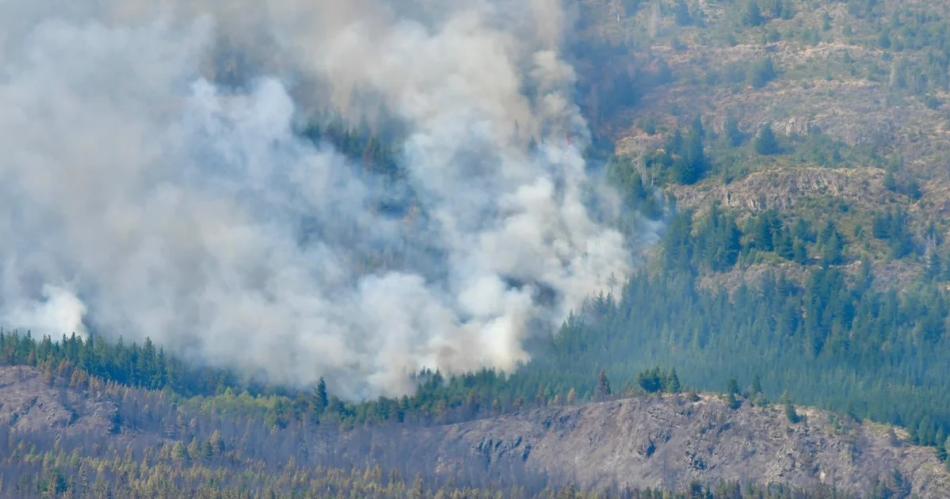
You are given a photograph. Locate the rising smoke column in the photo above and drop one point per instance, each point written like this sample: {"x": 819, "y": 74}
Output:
{"x": 155, "y": 183}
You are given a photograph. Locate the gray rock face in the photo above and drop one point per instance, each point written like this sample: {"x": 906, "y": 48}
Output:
{"x": 790, "y": 189}
{"x": 669, "y": 442}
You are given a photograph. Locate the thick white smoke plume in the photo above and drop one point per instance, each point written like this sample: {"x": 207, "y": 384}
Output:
{"x": 155, "y": 183}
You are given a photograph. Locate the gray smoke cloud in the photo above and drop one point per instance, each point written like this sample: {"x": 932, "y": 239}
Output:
{"x": 155, "y": 183}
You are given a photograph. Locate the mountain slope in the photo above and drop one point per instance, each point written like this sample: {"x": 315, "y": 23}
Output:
{"x": 28, "y": 404}
{"x": 798, "y": 151}
{"x": 656, "y": 442}
{"x": 669, "y": 442}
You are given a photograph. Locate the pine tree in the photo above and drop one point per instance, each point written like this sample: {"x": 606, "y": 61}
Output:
{"x": 691, "y": 165}
{"x": 216, "y": 442}
{"x": 752, "y": 14}
{"x": 890, "y": 182}
{"x": 765, "y": 142}
{"x": 673, "y": 385}
{"x": 720, "y": 240}
{"x": 761, "y": 73}
{"x": 832, "y": 246}
{"x": 790, "y": 412}
{"x": 940, "y": 439}
{"x": 650, "y": 380}
{"x": 321, "y": 395}
{"x": 731, "y": 391}
{"x": 678, "y": 241}
{"x": 194, "y": 449}
{"x": 603, "y": 386}
{"x": 179, "y": 453}
{"x": 732, "y": 402}
{"x": 799, "y": 252}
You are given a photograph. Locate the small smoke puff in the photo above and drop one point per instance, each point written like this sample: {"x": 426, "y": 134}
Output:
{"x": 58, "y": 312}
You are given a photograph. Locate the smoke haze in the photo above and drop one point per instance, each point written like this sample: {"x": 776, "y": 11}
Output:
{"x": 156, "y": 183}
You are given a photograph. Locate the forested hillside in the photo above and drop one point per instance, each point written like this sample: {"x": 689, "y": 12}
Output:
{"x": 105, "y": 439}
{"x": 800, "y": 150}
{"x": 782, "y": 167}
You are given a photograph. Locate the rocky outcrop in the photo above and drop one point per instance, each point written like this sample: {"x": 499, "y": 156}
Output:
{"x": 790, "y": 188}
{"x": 669, "y": 442}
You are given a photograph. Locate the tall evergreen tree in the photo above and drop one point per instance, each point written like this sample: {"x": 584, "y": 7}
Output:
{"x": 752, "y": 14}
{"x": 603, "y": 386}
{"x": 690, "y": 165}
{"x": 321, "y": 395}
{"x": 790, "y": 413}
{"x": 765, "y": 142}
{"x": 673, "y": 385}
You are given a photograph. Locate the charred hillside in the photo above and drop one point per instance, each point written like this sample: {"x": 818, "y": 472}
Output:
{"x": 89, "y": 441}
